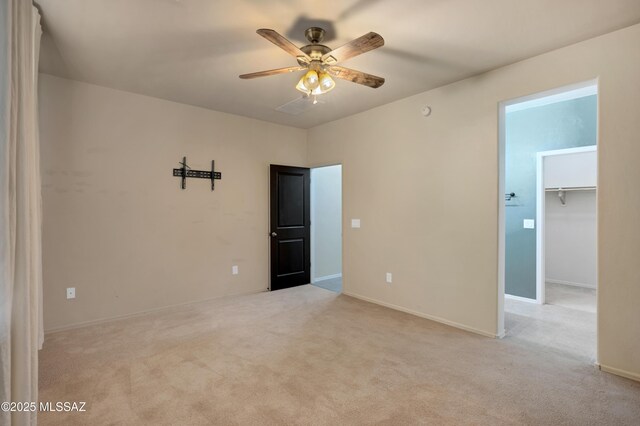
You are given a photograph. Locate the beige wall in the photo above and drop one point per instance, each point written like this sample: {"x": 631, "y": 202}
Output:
{"x": 116, "y": 224}
{"x": 426, "y": 190}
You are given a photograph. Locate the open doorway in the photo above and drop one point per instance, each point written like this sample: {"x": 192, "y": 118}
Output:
{"x": 547, "y": 224}
{"x": 326, "y": 227}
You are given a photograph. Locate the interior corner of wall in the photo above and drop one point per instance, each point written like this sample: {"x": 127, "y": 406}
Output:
{"x": 308, "y": 149}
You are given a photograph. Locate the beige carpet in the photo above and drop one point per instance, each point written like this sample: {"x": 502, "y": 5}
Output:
{"x": 310, "y": 356}
{"x": 578, "y": 298}
{"x": 567, "y": 324}
{"x": 334, "y": 284}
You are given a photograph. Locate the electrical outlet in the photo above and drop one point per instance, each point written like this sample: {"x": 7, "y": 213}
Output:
{"x": 389, "y": 278}
{"x": 234, "y": 269}
{"x": 355, "y": 223}
{"x": 71, "y": 293}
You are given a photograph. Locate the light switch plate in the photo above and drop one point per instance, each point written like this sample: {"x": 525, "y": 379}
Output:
{"x": 528, "y": 224}
{"x": 355, "y": 223}
{"x": 71, "y": 293}
{"x": 234, "y": 269}
{"x": 389, "y": 278}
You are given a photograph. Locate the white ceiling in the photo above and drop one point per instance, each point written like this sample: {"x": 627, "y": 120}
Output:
{"x": 192, "y": 51}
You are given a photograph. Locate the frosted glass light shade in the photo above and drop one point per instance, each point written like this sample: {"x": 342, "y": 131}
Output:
{"x": 326, "y": 82}
{"x": 311, "y": 80}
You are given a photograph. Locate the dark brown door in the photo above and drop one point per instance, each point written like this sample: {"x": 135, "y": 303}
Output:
{"x": 290, "y": 227}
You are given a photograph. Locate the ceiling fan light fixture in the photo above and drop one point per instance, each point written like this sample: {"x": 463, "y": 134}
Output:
{"x": 315, "y": 59}
{"x": 313, "y": 83}
{"x": 326, "y": 85}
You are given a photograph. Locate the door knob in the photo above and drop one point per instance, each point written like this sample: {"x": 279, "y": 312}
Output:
{"x": 273, "y": 234}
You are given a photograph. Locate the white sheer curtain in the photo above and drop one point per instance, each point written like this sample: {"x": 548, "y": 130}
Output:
{"x": 21, "y": 332}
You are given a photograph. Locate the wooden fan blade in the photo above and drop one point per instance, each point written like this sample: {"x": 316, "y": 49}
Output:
{"x": 282, "y": 43}
{"x": 271, "y": 72}
{"x": 355, "y": 47}
{"x": 356, "y": 76}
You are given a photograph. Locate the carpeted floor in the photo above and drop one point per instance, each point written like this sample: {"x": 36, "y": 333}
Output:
{"x": 334, "y": 284}
{"x": 310, "y": 356}
{"x": 578, "y": 298}
{"x": 566, "y": 324}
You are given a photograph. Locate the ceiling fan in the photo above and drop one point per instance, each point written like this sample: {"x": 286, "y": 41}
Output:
{"x": 320, "y": 61}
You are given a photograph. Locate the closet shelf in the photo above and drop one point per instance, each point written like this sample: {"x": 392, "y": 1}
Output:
{"x": 572, "y": 188}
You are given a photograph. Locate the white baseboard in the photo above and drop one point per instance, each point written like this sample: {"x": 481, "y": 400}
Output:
{"x": 140, "y": 313}
{"x": 326, "y": 277}
{"x": 618, "y": 372}
{"x": 422, "y": 315}
{"x": 520, "y": 298}
{"x": 573, "y": 284}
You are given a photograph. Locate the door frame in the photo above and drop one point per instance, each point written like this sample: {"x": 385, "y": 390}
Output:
{"x": 502, "y": 107}
{"x": 313, "y": 234}
{"x": 540, "y": 214}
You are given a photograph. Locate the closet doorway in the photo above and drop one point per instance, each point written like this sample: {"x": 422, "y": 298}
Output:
{"x": 566, "y": 237}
